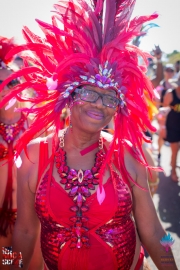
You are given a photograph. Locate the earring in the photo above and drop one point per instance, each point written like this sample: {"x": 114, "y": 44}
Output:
{"x": 70, "y": 109}
{"x": 70, "y": 124}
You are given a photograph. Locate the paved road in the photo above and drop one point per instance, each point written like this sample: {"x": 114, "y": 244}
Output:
{"x": 167, "y": 201}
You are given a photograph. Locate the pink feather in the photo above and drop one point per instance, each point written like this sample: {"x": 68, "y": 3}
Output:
{"x": 101, "y": 194}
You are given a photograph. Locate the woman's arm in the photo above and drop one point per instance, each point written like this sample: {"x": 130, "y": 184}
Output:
{"x": 27, "y": 225}
{"x": 153, "y": 178}
{"x": 149, "y": 227}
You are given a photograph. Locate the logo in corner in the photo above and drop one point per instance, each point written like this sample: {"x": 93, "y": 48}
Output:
{"x": 167, "y": 241}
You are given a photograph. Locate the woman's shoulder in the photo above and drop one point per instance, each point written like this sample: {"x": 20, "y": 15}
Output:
{"x": 34, "y": 144}
{"x": 31, "y": 151}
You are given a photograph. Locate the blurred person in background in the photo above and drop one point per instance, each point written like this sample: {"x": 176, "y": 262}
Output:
{"x": 155, "y": 74}
{"x": 165, "y": 84}
{"x": 157, "y": 66}
{"x": 12, "y": 124}
{"x": 169, "y": 72}
{"x": 172, "y": 100}
{"x": 177, "y": 69}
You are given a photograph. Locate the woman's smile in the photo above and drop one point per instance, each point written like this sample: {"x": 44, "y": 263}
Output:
{"x": 97, "y": 115}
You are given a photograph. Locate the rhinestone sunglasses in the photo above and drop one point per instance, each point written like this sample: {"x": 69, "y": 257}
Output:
{"x": 92, "y": 96}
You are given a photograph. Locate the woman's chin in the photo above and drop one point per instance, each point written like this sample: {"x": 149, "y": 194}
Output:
{"x": 90, "y": 127}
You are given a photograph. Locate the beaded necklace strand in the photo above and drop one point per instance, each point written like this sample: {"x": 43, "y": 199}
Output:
{"x": 79, "y": 183}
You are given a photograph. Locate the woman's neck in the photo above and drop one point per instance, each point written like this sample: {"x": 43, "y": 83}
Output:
{"x": 79, "y": 140}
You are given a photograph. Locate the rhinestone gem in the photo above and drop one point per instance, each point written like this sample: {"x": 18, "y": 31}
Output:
{"x": 80, "y": 176}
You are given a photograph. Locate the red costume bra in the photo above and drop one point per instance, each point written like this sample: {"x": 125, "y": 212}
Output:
{"x": 111, "y": 231}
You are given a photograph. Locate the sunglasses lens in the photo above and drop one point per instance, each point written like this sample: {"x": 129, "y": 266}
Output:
{"x": 88, "y": 95}
{"x": 110, "y": 101}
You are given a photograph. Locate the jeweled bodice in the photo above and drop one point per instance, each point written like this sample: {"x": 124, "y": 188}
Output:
{"x": 9, "y": 132}
{"x": 109, "y": 227}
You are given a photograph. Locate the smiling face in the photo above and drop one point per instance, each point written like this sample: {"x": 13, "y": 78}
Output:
{"x": 4, "y": 73}
{"x": 92, "y": 116}
{"x": 168, "y": 74}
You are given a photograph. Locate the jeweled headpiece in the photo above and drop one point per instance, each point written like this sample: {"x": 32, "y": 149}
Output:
{"x": 91, "y": 45}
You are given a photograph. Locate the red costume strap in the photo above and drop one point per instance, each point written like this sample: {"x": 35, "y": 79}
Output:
{"x": 43, "y": 158}
{"x": 9, "y": 134}
{"x": 89, "y": 149}
{"x": 140, "y": 260}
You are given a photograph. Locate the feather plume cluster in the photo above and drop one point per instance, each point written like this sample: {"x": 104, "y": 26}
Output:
{"x": 83, "y": 37}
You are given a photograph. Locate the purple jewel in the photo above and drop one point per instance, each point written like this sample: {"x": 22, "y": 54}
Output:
{"x": 79, "y": 199}
{"x": 88, "y": 174}
{"x": 108, "y": 81}
{"x": 70, "y": 176}
{"x": 103, "y": 79}
{"x": 98, "y": 77}
{"x": 85, "y": 191}
{"x": 73, "y": 191}
{"x": 73, "y": 172}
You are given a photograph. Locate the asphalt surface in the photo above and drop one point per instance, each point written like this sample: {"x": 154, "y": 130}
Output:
{"x": 167, "y": 199}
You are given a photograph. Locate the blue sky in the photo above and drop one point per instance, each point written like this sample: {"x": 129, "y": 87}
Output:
{"x": 16, "y": 13}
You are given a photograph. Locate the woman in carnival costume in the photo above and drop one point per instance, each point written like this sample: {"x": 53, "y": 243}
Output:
{"x": 12, "y": 125}
{"x": 89, "y": 188}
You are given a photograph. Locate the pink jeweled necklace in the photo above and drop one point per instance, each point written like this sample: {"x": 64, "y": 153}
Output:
{"x": 79, "y": 183}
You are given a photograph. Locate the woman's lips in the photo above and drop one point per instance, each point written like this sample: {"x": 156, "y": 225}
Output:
{"x": 95, "y": 115}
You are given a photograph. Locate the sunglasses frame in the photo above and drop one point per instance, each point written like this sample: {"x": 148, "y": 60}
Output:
{"x": 78, "y": 91}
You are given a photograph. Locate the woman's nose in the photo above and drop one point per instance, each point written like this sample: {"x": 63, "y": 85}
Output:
{"x": 99, "y": 102}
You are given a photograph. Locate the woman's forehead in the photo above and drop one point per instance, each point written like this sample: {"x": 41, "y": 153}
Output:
{"x": 100, "y": 90}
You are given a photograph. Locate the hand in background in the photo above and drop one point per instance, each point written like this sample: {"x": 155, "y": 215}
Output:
{"x": 157, "y": 52}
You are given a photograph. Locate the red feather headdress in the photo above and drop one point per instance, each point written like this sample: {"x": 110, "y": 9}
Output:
{"x": 6, "y": 45}
{"x": 88, "y": 42}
